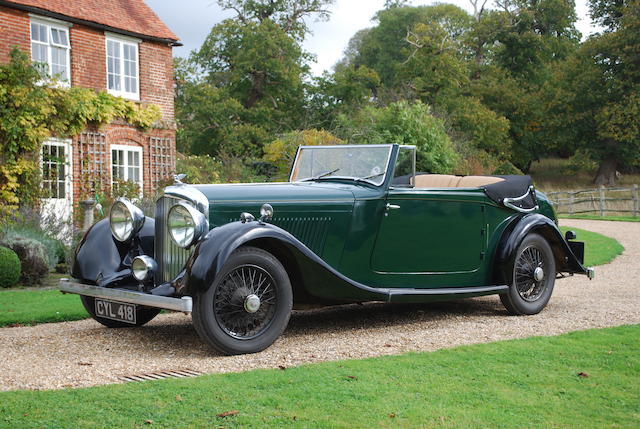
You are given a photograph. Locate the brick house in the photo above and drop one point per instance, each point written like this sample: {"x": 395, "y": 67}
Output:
{"x": 120, "y": 46}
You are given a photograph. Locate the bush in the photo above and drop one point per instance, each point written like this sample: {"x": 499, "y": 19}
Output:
{"x": 33, "y": 258}
{"x": 54, "y": 250}
{"x": 9, "y": 267}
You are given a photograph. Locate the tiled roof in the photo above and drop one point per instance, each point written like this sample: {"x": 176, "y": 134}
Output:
{"x": 129, "y": 15}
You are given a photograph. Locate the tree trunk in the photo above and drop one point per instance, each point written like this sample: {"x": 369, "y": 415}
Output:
{"x": 606, "y": 174}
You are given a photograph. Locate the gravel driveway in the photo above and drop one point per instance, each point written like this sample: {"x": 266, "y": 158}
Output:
{"x": 73, "y": 354}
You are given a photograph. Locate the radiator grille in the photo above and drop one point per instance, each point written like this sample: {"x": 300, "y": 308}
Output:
{"x": 169, "y": 257}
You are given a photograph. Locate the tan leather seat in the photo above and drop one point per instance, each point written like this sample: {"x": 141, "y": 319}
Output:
{"x": 437, "y": 181}
{"x": 450, "y": 181}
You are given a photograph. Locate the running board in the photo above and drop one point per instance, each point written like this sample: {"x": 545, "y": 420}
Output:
{"x": 183, "y": 304}
{"x": 415, "y": 295}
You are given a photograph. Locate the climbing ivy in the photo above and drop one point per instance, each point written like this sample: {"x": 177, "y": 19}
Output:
{"x": 33, "y": 109}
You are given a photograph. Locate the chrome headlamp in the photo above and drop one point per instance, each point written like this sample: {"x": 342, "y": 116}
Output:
{"x": 186, "y": 224}
{"x": 143, "y": 267}
{"x": 125, "y": 220}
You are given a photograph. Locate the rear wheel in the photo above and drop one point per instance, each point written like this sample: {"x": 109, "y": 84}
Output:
{"x": 248, "y": 305}
{"x": 533, "y": 278}
{"x": 143, "y": 314}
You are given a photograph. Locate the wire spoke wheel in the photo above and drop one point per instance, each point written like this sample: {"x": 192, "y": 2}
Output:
{"x": 245, "y": 302}
{"x": 529, "y": 274}
{"x": 533, "y": 277}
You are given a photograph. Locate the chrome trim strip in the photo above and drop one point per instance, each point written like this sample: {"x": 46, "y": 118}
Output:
{"x": 508, "y": 202}
{"x": 184, "y": 304}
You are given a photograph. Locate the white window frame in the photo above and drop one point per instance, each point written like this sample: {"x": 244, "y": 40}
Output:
{"x": 126, "y": 149}
{"x": 51, "y": 24}
{"x": 68, "y": 165}
{"x": 129, "y": 41}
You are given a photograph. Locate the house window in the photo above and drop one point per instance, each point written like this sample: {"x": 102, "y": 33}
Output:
{"x": 54, "y": 170}
{"x": 126, "y": 165}
{"x": 122, "y": 68}
{"x": 50, "y": 50}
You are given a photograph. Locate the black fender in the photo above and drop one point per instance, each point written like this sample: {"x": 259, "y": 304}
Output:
{"x": 320, "y": 279}
{"x": 566, "y": 260}
{"x": 102, "y": 260}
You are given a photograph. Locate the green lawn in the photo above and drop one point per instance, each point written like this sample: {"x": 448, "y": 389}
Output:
{"x": 599, "y": 249}
{"x": 582, "y": 379}
{"x": 31, "y": 306}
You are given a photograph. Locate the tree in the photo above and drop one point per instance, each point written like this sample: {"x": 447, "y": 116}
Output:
{"x": 247, "y": 81}
{"x": 597, "y": 100}
{"x": 407, "y": 123}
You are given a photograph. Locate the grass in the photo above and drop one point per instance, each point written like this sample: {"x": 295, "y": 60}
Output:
{"x": 613, "y": 218}
{"x": 581, "y": 379}
{"x": 598, "y": 249}
{"x": 29, "y": 306}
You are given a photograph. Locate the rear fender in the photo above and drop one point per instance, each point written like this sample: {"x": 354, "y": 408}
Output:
{"x": 566, "y": 260}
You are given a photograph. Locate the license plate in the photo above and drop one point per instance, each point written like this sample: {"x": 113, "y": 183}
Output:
{"x": 120, "y": 311}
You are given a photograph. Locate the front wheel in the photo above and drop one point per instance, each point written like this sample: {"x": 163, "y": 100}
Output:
{"x": 534, "y": 275}
{"x": 248, "y": 305}
{"x": 143, "y": 314}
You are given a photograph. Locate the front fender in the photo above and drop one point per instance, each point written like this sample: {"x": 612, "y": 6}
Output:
{"x": 102, "y": 260}
{"x": 319, "y": 279}
{"x": 566, "y": 260}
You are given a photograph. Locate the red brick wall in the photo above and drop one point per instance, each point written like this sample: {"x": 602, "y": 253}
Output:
{"x": 156, "y": 77}
{"x": 88, "y": 69}
{"x": 14, "y": 31}
{"x": 88, "y": 58}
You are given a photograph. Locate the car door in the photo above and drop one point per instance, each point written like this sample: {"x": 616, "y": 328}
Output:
{"x": 430, "y": 231}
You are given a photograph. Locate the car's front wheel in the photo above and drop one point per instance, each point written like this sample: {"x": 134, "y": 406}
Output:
{"x": 533, "y": 277}
{"x": 248, "y": 305}
{"x": 143, "y": 314}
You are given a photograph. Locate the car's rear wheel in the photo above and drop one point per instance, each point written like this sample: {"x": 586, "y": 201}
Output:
{"x": 533, "y": 277}
{"x": 143, "y": 314}
{"x": 248, "y": 305}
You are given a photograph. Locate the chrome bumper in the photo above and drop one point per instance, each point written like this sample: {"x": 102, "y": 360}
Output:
{"x": 183, "y": 304}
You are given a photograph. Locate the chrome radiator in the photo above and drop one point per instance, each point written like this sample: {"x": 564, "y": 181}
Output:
{"x": 170, "y": 258}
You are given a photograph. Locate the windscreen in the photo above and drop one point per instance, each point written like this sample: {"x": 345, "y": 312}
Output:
{"x": 368, "y": 163}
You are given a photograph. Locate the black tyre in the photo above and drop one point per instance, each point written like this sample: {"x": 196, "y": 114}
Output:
{"x": 248, "y": 305}
{"x": 143, "y": 314}
{"x": 533, "y": 278}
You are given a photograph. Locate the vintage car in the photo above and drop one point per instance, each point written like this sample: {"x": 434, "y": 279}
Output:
{"x": 355, "y": 223}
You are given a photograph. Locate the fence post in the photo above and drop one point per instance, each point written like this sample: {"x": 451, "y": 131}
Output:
{"x": 602, "y": 201}
{"x": 571, "y": 204}
{"x": 636, "y": 201}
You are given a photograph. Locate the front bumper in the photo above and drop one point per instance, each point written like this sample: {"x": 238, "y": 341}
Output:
{"x": 184, "y": 304}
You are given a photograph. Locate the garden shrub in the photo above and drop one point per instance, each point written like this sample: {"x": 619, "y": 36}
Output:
{"x": 33, "y": 257}
{"x": 53, "y": 249}
{"x": 9, "y": 267}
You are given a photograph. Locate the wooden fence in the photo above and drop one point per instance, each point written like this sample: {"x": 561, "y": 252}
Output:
{"x": 602, "y": 201}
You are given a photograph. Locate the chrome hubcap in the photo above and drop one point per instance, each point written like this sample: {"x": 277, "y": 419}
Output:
{"x": 252, "y": 303}
{"x": 538, "y": 274}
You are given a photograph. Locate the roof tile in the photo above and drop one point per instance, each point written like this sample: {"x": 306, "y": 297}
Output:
{"x": 129, "y": 15}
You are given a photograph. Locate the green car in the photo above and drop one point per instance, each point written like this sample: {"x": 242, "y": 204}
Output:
{"x": 353, "y": 224}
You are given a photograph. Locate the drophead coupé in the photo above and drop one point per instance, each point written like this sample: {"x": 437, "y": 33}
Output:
{"x": 353, "y": 224}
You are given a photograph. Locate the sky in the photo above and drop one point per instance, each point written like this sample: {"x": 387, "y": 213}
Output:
{"x": 191, "y": 21}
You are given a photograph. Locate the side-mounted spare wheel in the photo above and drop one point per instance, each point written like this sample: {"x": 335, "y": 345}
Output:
{"x": 533, "y": 278}
{"x": 143, "y": 314}
{"x": 248, "y": 305}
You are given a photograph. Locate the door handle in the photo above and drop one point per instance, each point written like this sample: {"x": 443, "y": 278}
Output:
{"x": 392, "y": 206}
